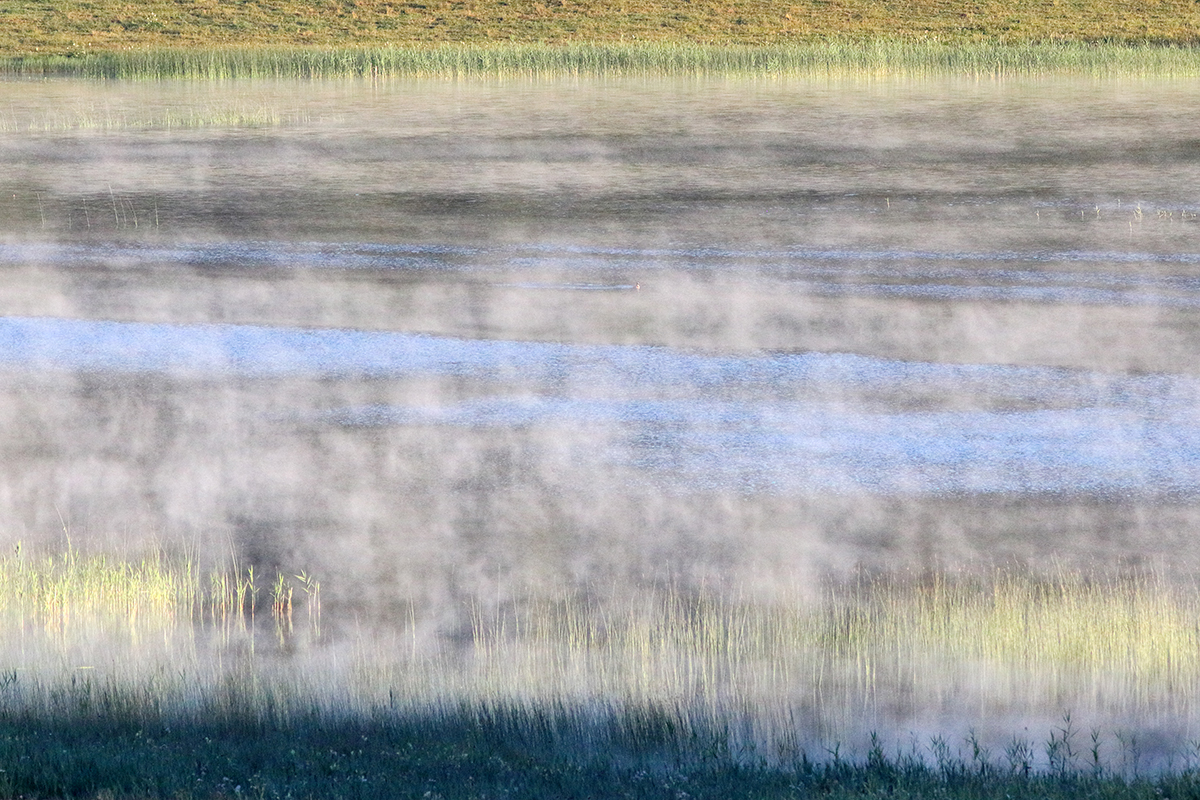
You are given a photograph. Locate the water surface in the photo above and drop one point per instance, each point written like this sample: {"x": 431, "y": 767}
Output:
{"x": 441, "y": 339}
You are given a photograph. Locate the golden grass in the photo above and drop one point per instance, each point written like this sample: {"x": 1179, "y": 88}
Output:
{"x": 1135, "y": 627}
{"x": 76, "y": 27}
{"x": 64, "y": 598}
{"x": 69, "y": 593}
{"x": 1138, "y": 628}
{"x": 1012, "y": 646}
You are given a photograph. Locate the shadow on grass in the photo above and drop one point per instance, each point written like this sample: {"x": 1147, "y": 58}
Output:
{"x": 89, "y": 746}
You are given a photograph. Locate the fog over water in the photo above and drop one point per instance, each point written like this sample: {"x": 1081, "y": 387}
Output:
{"x": 439, "y": 340}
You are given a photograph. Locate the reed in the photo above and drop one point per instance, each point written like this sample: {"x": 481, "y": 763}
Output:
{"x": 873, "y": 656}
{"x": 63, "y": 599}
{"x": 69, "y": 593}
{"x": 836, "y": 57}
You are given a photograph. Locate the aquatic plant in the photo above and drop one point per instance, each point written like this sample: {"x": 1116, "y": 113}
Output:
{"x": 880, "y": 654}
{"x": 91, "y": 118}
{"x": 772, "y": 682}
{"x": 669, "y": 691}
{"x": 76, "y": 606}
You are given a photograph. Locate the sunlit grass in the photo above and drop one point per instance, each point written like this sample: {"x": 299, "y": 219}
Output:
{"x": 1136, "y": 628}
{"x": 879, "y": 654}
{"x": 78, "y": 606}
{"x": 838, "y": 57}
{"x": 76, "y": 27}
{"x": 69, "y": 594}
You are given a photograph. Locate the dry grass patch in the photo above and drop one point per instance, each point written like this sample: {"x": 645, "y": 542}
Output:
{"x": 79, "y": 27}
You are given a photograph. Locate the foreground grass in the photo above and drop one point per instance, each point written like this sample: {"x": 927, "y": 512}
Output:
{"x": 838, "y": 57}
{"x": 89, "y": 748}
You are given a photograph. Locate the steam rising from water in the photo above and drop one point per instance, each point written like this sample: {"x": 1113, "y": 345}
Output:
{"x": 1112, "y": 278}
{"x": 451, "y": 344}
{"x": 775, "y": 423}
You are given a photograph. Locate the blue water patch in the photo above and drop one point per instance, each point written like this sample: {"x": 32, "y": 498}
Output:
{"x": 600, "y": 370}
{"x": 788, "y": 447}
{"x": 758, "y": 422}
{"x": 250, "y": 350}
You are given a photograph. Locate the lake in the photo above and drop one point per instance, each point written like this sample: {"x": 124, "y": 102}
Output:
{"x": 453, "y": 342}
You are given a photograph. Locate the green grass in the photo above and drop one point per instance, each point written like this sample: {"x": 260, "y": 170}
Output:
{"x": 149, "y": 679}
{"x": 466, "y": 754}
{"x": 839, "y": 57}
{"x": 80, "y": 752}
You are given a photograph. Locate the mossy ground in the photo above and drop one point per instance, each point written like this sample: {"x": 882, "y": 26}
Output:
{"x": 60, "y": 27}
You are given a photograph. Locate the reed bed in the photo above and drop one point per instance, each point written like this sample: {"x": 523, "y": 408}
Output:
{"x": 69, "y": 595}
{"x": 73, "y": 604}
{"x": 663, "y": 673}
{"x": 889, "y": 655}
{"x": 849, "y": 57}
{"x": 1138, "y": 630}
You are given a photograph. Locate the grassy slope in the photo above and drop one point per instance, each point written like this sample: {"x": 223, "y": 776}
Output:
{"x": 30, "y": 27}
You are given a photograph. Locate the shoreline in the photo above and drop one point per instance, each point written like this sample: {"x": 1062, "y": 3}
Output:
{"x": 877, "y": 58}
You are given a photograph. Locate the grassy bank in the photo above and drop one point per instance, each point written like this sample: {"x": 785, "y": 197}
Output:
{"x": 90, "y": 748}
{"x": 77, "y": 27}
{"x": 891, "y": 56}
{"x": 207, "y": 39}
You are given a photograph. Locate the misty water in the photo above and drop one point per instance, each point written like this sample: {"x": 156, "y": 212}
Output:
{"x": 446, "y": 343}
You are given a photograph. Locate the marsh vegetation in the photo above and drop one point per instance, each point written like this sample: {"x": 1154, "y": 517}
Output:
{"x": 837, "y": 58}
{"x": 143, "y": 677}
